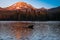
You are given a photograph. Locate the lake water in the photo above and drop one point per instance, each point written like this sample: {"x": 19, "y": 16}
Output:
{"x": 18, "y": 30}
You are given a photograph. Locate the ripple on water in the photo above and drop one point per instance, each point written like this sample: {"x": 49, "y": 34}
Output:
{"x": 20, "y": 31}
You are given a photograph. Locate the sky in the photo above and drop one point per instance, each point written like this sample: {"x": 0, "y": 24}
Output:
{"x": 34, "y": 3}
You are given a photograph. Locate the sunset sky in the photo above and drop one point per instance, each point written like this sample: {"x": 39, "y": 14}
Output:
{"x": 35, "y": 3}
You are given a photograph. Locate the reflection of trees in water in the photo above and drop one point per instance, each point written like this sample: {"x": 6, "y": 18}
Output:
{"x": 16, "y": 30}
{"x": 20, "y": 31}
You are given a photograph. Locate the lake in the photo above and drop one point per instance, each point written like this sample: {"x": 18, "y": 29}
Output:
{"x": 18, "y": 30}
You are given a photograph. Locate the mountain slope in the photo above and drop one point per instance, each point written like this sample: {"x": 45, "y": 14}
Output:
{"x": 57, "y": 9}
{"x": 20, "y": 5}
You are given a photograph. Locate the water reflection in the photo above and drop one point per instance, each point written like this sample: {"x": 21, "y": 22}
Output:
{"x": 20, "y": 31}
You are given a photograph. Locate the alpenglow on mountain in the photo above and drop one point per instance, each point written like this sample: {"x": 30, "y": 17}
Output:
{"x": 20, "y": 5}
{"x": 22, "y": 11}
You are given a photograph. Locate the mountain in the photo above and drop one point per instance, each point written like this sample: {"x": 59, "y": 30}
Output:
{"x": 16, "y": 10}
{"x": 1, "y": 8}
{"x": 54, "y": 13}
{"x": 21, "y": 6}
{"x": 22, "y": 11}
{"x": 54, "y": 10}
{"x": 42, "y": 10}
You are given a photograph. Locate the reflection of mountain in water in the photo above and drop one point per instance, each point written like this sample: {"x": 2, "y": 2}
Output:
{"x": 20, "y": 31}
